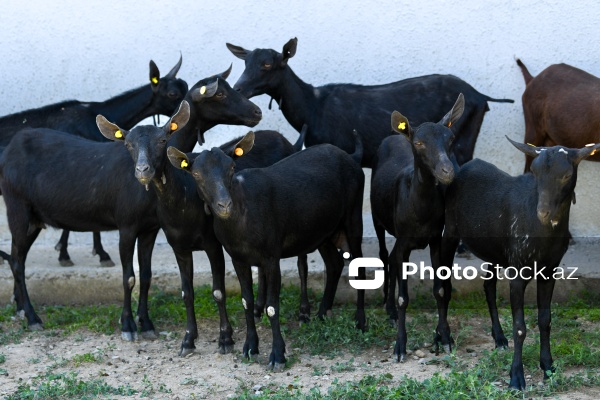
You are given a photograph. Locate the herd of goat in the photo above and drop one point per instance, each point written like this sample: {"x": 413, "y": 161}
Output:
{"x": 83, "y": 166}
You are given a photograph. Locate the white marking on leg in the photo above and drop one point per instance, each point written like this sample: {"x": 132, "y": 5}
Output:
{"x": 400, "y": 301}
{"x": 346, "y": 255}
{"x": 441, "y": 292}
{"x": 131, "y": 282}
{"x": 520, "y": 333}
{"x": 218, "y": 295}
{"x": 244, "y": 304}
{"x": 182, "y": 294}
{"x": 270, "y": 311}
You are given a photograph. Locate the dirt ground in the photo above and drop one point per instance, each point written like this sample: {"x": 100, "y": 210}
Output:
{"x": 155, "y": 371}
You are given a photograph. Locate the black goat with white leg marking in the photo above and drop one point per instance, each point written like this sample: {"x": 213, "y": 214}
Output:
{"x": 520, "y": 222}
{"x": 185, "y": 224}
{"x": 161, "y": 96}
{"x": 333, "y": 111}
{"x": 407, "y": 199}
{"x": 310, "y": 200}
{"x": 97, "y": 182}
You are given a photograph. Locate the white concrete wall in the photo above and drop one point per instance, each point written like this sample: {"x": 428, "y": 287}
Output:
{"x": 93, "y": 50}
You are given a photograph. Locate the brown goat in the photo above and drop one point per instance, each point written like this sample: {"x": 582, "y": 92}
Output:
{"x": 561, "y": 107}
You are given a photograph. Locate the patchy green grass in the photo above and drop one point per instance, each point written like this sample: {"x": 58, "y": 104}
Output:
{"x": 575, "y": 346}
{"x": 79, "y": 359}
{"x": 68, "y": 386}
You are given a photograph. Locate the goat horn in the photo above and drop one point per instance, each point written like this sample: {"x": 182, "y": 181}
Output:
{"x": 175, "y": 69}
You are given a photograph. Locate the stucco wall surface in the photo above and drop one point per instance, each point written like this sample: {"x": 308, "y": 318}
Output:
{"x": 93, "y": 50}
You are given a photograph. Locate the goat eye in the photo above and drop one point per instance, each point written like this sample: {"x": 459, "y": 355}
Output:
{"x": 220, "y": 95}
{"x": 266, "y": 66}
{"x": 567, "y": 177}
{"x": 172, "y": 95}
{"x": 419, "y": 144}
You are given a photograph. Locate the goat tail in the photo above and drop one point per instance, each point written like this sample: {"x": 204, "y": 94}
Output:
{"x": 358, "y": 148}
{"x": 300, "y": 142}
{"x": 526, "y": 75}
{"x": 488, "y": 98}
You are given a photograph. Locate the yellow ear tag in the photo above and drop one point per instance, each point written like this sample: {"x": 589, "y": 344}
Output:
{"x": 402, "y": 126}
{"x": 449, "y": 124}
{"x": 529, "y": 144}
{"x": 118, "y": 134}
{"x": 239, "y": 151}
{"x": 184, "y": 164}
{"x": 203, "y": 90}
{"x": 593, "y": 152}
{"x": 174, "y": 126}
{"x": 154, "y": 80}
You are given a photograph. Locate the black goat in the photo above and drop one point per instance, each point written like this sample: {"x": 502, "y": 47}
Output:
{"x": 310, "y": 200}
{"x": 181, "y": 212}
{"x": 333, "y": 111}
{"x": 161, "y": 96}
{"x": 515, "y": 222}
{"x": 41, "y": 170}
{"x": 407, "y": 199}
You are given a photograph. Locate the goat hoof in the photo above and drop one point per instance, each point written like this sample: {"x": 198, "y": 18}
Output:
{"x": 107, "y": 263}
{"x": 447, "y": 348}
{"x": 149, "y": 335}
{"x": 184, "y": 352}
{"x": 129, "y": 336}
{"x": 502, "y": 343}
{"x": 36, "y": 327}
{"x": 549, "y": 372}
{"x": 304, "y": 318}
{"x": 225, "y": 348}
{"x": 276, "y": 367}
{"x": 66, "y": 263}
{"x": 400, "y": 358}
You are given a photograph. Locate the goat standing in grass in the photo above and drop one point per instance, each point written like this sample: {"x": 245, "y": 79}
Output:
{"x": 310, "y": 200}
{"x": 408, "y": 201}
{"x": 520, "y": 222}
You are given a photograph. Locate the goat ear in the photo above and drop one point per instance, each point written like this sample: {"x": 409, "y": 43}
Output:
{"x": 178, "y": 159}
{"x": 528, "y": 149}
{"x": 400, "y": 124}
{"x": 243, "y": 146}
{"x": 237, "y": 51}
{"x": 588, "y": 150}
{"x": 205, "y": 91}
{"x": 175, "y": 69}
{"x": 110, "y": 130}
{"x": 154, "y": 76}
{"x": 289, "y": 50}
{"x": 179, "y": 119}
{"x": 456, "y": 112}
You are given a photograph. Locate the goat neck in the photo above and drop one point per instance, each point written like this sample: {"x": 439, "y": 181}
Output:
{"x": 296, "y": 99}
{"x": 128, "y": 108}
